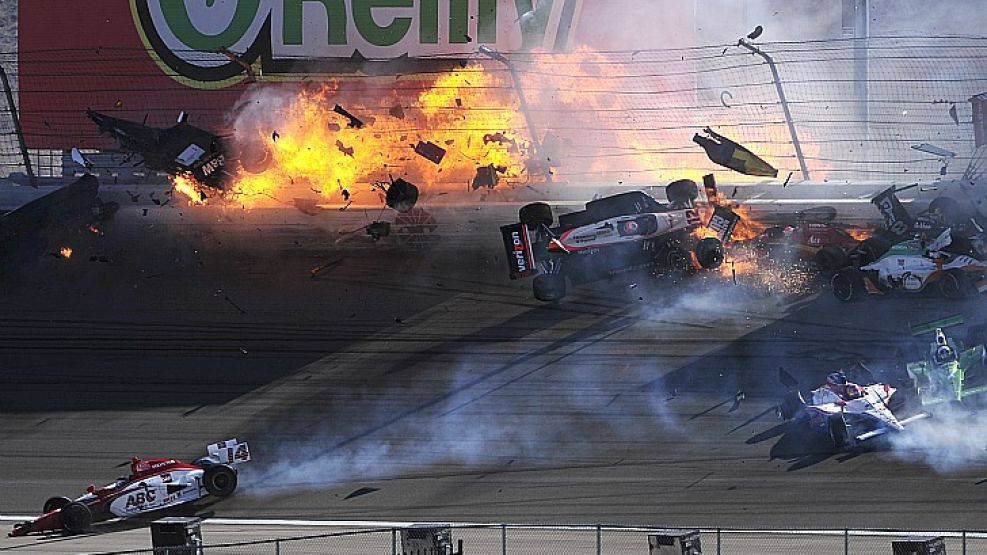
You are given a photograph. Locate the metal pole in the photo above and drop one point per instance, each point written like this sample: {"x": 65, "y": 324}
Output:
{"x": 503, "y": 539}
{"x": 717, "y": 541}
{"x": 17, "y": 127}
{"x": 964, "y": 542}
{"x": 599, "y": 540}
{"x": 861, "y": 59}
{"x": 784, "y": 104}
{"x": 846, "y": 542}
{"x": 277, "y": 547}
{"x": 394, "y": 541}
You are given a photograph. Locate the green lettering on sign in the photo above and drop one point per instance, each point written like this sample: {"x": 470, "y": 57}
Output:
{"x": 375, "y": 34}
{"x": 176, "y": 14}
{"x": 291, "y": 28}
{"x": 428, "y": 22}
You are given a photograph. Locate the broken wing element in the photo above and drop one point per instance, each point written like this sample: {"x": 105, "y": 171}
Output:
{"x": 729, "y": 154}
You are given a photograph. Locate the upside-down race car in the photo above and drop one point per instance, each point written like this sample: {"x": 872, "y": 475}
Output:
{"x": 615, "y": 234}
{"x": 153, "y": 484}
{"x": 844, "y": 412}
{"x": 955, "y": 265}
{"x": 949, "y": 373}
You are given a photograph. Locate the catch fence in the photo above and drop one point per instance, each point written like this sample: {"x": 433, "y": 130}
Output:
{"x": 599, "y": 116}
{"x": 598, "y": 540}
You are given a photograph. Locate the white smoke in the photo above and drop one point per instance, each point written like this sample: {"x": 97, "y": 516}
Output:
{"x": 952, "y": 440}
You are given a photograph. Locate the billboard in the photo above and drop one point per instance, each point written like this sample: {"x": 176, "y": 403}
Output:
{"x": 148, "y": 59}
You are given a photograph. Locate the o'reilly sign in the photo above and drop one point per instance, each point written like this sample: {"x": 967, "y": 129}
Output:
{"x": 190, "y": 36}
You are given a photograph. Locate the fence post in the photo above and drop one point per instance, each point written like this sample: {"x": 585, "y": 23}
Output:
{"x": 17, "y": 127}
{"x": 846, "y": 541}
{"x": 503, "y": 539}
{"x": 784, "y": 105}
{"x": 277, "y": 547}
{"x": 599, "y": 539}
{"x": 964, "y": 542}
{"x": 717, "y": 541}
{"x": 394, "y": 541}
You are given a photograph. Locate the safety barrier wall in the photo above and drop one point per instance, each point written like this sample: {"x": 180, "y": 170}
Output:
{"x": 597, "y": 540}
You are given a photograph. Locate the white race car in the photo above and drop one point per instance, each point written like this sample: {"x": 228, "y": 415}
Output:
{"x": 844, "y": 412}
{"x": 953, "y": 267}
{"x": 153, "y": 484}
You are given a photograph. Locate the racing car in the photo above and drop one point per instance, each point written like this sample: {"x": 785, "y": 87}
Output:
{"x": 953, "y": 266}
{"x": 948, "y": 373}
{"x": 153, "y": 485}
{"x": 844, "y": 413}
{"x": 615, "y": 234}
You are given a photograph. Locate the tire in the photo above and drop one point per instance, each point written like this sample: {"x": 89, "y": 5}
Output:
{"x": 837, "y": 431}
{"x": 55, "y": 503}
{"x": 790, "y": 406}
{"x": 952, "y": 285}
{"x": 948, "y": 209}
{"x": 536, "y": 214}
{"x": 219, "y": 480}
{"x": 401, "y": 195}
{"x": 682, "y": 192}
{"x": 847, "y": 284}
{"x": 549, "y": 287}
{"x": 709, "y": 253}
{"x": 76, "y": 518}
{"x": 830, "y": 259}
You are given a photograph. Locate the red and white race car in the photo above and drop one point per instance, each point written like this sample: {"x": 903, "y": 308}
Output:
{"x": 153, "y": 484}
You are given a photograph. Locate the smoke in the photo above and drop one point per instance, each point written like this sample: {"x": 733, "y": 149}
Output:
{"x": 549, "y": 404}
{"x": 952, "y": 440}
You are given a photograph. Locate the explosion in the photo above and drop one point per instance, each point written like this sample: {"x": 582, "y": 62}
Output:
{"x": 65, "y": 252}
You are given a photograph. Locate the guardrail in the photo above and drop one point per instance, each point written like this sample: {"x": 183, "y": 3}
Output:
{"x": 512, "y": 539}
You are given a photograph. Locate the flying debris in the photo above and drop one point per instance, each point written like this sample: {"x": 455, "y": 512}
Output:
{"x": 376, "y": 230}
{"x": 487, "y": 176}
{"x": 79, "y": 158}
{"x": 953, "y": 115}
{"x": 354, "y": 121}
{"x": 933, "y": 149}
{"x": 396, "y": 111}
{"x": 730, "y": 154}
{"x": 347, "y": 150}
{"x": 430, "y": 151}
{"x": 756, "y": 33}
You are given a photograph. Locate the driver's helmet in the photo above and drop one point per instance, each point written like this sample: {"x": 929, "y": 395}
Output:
{"x": 631, "y": 226}
{"x": 852, "y": 391}
{"x": 836, "y": 378}
{"x": 943, "y": 354}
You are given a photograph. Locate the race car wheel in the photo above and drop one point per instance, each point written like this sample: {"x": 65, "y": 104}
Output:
{"x": 76, "y": 518}
{"x": 830, "y": 259}
{"x": 837, "y": 431}
{"x": 549, "y": 287}
{"x": 847, "y": 284}
{"x": 536, "y": 214}
{"x": 55, "y": 503}
{"x": 709, "y": 253}
{"x": 682, "y": 192}
{"x": 219, "y": 480}
{"x": 791, "y": 405}
{"x": 952, "y": 285}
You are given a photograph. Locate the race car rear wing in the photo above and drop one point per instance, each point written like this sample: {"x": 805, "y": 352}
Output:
{"x": 517, "y": 245}
{"x": 229, "y": 452}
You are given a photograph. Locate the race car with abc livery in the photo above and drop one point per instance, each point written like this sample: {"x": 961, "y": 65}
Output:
{"x": 615, "y": 234}
{"x": 153, "y": 485}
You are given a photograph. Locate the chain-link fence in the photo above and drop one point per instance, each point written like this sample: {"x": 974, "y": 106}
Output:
{"x": 604, "y": 540}
{"x": 599, "y": 116}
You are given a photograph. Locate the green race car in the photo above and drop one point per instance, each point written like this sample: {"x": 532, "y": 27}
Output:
{"x": 948, "y": 373}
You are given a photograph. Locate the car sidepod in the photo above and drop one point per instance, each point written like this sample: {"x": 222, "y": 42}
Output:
{"x": 159, "y": 492}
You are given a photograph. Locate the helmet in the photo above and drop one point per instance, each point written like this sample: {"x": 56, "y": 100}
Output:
{"x": 943, "y": 354}
{"x": 836, "y": 378}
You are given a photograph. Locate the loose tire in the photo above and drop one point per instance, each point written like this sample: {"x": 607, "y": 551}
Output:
{"x": 951, "y": 285}
{"x": 55, "y": 503}
{"x": 219, "y": 480}
{"x": 549, "y": 287}
{"x": 76, "y": 518}
{"x": 709, "y": 253}
{"x": 837, "y": 431}
{"x": 847, "y": 284}
{"x": 830, "y": 259}
{"x": 682, "y": 192}
{"x": 536, "y": 214}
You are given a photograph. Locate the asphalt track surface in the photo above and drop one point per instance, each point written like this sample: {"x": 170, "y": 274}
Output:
{"x": 444, "y": 389}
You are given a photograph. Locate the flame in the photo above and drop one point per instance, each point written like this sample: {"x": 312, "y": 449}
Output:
{"x": 859, "y": 233}
{"x": 190, "y": 188}
{"x": 65, "y": 252}
{"x": 95, "y": 230}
